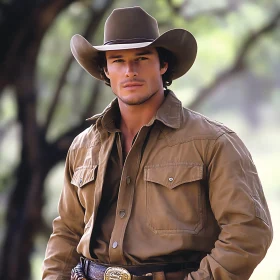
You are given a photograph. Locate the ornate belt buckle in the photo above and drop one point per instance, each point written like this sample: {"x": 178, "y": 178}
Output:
{"x": 116, "y": 273}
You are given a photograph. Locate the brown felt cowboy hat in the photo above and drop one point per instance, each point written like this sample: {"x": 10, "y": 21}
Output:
{"x": 131, "y": 28}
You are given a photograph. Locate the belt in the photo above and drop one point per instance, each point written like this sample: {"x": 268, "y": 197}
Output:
{"x": 171, "y": 271}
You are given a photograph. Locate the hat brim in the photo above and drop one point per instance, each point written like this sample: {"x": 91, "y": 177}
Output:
{"x": 179, "y": 41}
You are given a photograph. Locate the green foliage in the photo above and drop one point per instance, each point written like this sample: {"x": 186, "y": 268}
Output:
{"x": 9, "y": 140}
{"x": 262, "y": 58}
{"x": 55, "y": 51}
{"x": 7, "y": 106}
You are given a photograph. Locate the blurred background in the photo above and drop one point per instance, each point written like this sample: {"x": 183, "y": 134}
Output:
{"x": 45, "y": 97}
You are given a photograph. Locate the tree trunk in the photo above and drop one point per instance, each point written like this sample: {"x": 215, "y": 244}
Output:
{"x": 19, "y": 61}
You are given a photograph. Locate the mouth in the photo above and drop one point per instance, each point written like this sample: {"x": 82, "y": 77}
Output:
{"x": 132, "y": 85}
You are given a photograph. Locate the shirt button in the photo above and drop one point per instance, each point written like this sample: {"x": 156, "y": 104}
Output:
{"x": 81, "y": 180}
{"x": 115, "y": 245}
{"x": 170, "y": 179}
{"x": 122, "y": 213}
{"x": 128, "y": 180}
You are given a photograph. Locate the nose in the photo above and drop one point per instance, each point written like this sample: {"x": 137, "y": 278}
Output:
{"x": 131, "y": 70}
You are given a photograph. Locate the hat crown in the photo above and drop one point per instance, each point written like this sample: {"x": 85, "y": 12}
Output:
{"x": 131, "y": 24}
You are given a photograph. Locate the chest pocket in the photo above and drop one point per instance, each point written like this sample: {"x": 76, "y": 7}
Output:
{"x": 83, "y": 176}
{"x": 174, "y": 197}
{"x": 84, "y": 179}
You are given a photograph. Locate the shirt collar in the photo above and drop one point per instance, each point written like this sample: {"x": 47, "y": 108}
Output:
{"x": 169, "y": 113}
{"x": 109, "y": 118}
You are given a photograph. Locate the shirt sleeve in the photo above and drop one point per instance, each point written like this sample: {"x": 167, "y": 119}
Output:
{"x": 238, "y": 203}
{"x": 61, "y": 255}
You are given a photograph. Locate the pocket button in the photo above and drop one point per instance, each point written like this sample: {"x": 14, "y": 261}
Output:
{"x": 122, "y": 213}
{"x": 170, "y": 179}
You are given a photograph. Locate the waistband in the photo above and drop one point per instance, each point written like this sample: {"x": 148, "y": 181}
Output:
{"x": 96, "y": 271}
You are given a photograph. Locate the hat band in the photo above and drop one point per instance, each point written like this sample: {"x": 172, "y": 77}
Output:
{"x": 128, "y": 41}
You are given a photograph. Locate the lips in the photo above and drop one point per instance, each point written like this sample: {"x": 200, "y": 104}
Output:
{"x": 132, "y": 84}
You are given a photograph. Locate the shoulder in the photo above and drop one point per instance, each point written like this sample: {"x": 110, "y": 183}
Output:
{"x": 204, "y": 127}
{"x": 86, "y": 139}
{"x": 90, "y": 136}
{"x": 219, "y": 136}
{"x": 200, "y": 125}
{"x": 184, "y": 124}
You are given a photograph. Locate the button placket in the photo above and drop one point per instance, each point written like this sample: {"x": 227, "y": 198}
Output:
{"x": 125, "y": 198}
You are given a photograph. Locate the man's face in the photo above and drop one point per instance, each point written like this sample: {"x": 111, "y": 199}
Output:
{"x": 135, "y": 74}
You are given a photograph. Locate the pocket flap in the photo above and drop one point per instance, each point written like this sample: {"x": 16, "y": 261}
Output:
{"x": 172, "y": 175}
{"x": 83, "y": 175}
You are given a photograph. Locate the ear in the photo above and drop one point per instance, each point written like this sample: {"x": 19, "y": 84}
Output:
{"x": 106, "y": 72}
{"x": 164, "y": 68}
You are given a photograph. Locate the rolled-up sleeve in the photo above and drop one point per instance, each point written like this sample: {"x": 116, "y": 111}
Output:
{"x": 238, "y": 203}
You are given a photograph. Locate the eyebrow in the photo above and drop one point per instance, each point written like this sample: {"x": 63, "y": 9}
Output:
{"x": 146, "y": 52}
{"x": 115, "y": 56}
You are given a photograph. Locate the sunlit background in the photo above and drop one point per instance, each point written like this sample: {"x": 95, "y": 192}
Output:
{"x": 235, "y": 80}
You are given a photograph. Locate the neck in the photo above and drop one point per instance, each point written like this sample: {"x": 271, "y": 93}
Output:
{"x": 133, "y": 117}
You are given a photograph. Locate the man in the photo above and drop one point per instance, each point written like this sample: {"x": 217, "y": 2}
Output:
{"x": 153, "y": 190}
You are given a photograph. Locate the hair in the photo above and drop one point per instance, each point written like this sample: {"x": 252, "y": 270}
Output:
{"x": 165, "y": 56}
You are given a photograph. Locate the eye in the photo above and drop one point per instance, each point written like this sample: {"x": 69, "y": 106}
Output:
{"x": 118, "y": 60}
{"x": 142, "y": 58}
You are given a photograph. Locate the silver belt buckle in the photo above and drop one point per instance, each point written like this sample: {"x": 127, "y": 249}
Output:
{"x": 116, "y": 273}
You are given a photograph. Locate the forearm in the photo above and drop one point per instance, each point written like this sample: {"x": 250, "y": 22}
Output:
{"x": 61, "y": 255}
{"x": 239, "y": 249}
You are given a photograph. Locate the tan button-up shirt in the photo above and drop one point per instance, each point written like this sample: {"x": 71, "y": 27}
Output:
{"x": 187, "y": 191}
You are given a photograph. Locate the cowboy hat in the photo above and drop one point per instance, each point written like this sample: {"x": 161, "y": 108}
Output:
{"x": 131, "y": 28}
